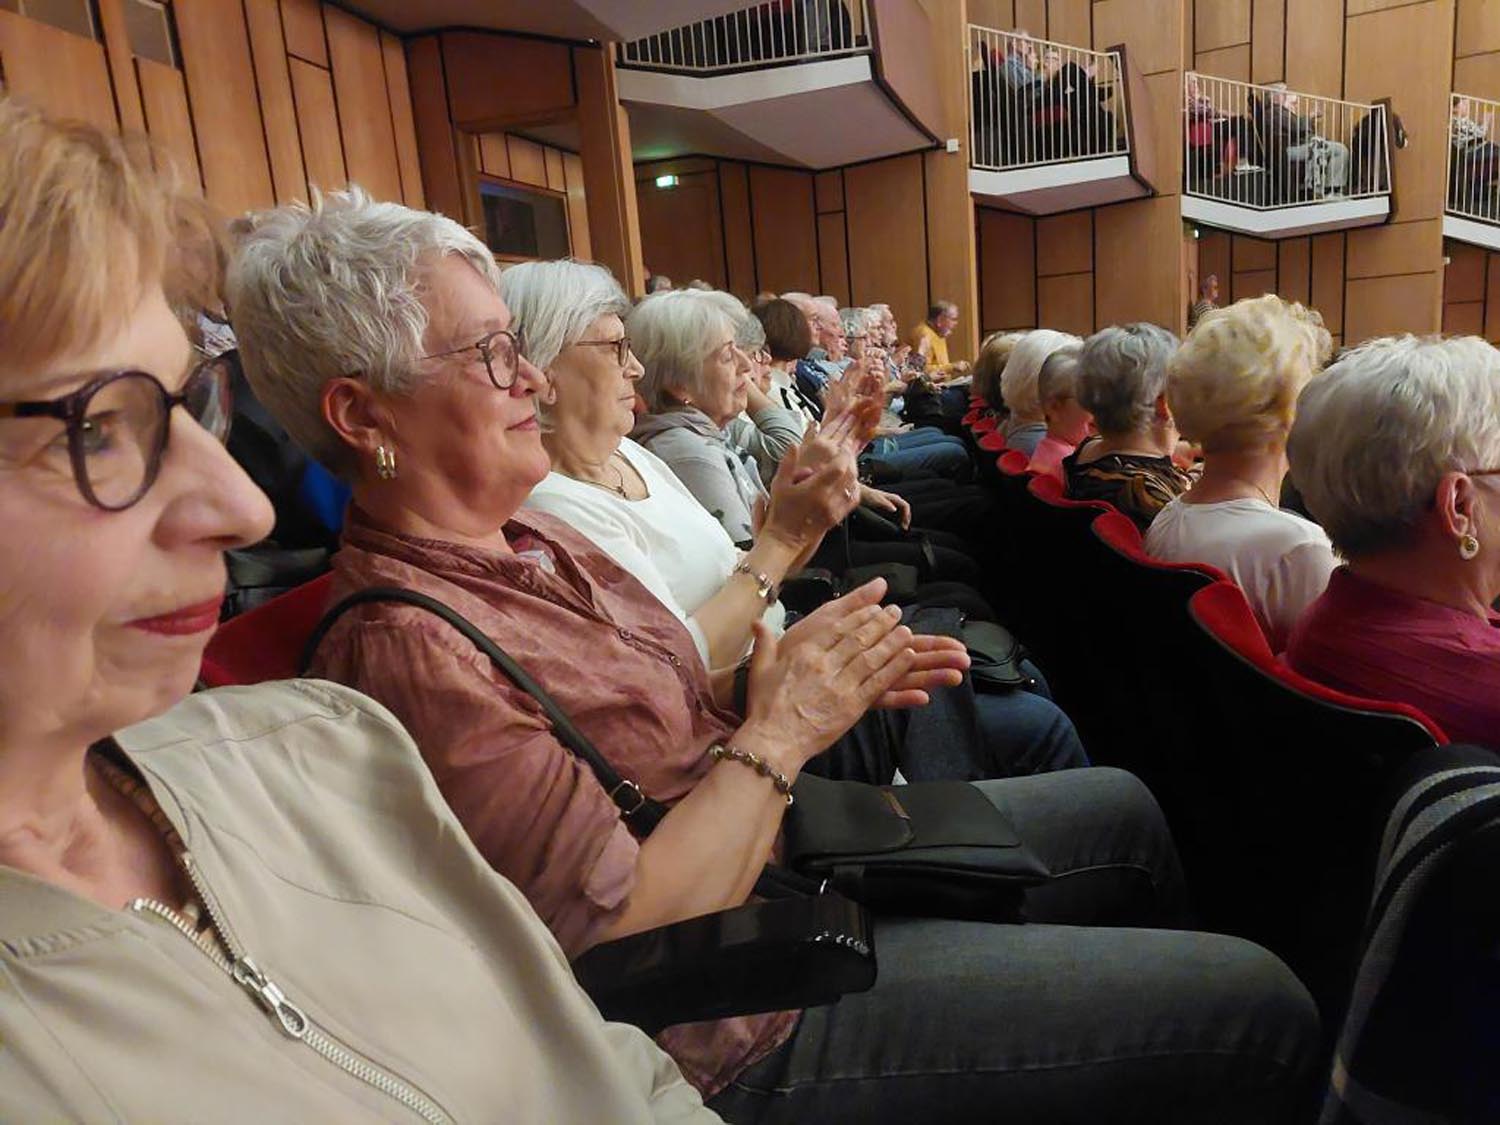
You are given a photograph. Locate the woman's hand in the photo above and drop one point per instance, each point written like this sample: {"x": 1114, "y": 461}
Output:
{"x": 815, "y": 487}
{"x": 813, "y": 684}
{"x": 886, "y": 502}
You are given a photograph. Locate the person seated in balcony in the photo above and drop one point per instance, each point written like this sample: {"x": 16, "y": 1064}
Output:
{"x": 1396, "y": 450}
{"x": 1147, "y": 1023}
{"x": 1473, "y": 161}
{"x": 1068, "y": 423}
{"x": 1233, "y": 388}
{"x": 252, "y": 898}
{"x": 1073, "y": 106}
{"x": 1122, "y": 379}
{"x": 1323, "y": 162}
{"x": 1026, "y": 425}
{"x": 1213, "y": 146}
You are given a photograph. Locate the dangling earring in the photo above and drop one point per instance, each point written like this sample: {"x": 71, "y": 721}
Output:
{"x": 1468, "y": 547}
{"x": 385, "y": 463}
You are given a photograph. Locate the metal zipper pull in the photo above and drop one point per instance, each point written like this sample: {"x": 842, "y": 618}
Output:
{"x": 247, "y": 975}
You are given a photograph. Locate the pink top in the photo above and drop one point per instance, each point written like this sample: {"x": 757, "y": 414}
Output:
{"x": 1373, "y": 641}
{"x": 1048, "y": 457}
{"x": 616, "y": 660}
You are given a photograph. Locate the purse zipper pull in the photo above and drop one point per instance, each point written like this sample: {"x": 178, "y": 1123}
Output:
{"x": 247, "y": 975}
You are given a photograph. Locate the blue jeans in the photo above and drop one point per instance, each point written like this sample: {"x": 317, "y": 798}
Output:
{"x": 1059, "y": 1020}
{"x": 924, "y": 450}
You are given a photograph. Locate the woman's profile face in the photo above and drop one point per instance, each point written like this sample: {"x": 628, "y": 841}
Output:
{"x": 106, "y": 614}
{"x": 595, "y": 392}
{"x": 725, "y": 383}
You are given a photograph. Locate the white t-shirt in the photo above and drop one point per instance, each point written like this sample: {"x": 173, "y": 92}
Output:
{"x": 667, "y": 541}
{"x": 1280, "y": 560}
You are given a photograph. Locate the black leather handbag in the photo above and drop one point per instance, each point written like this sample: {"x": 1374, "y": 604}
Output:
{"x": 800, "y": 946}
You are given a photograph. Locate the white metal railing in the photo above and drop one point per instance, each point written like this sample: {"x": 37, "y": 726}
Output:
{"x": 1267, "y": 146}
{"x": 1036, "y": 102}
{"x": 1473, "y": 159}
{"x": 765, "y": 34}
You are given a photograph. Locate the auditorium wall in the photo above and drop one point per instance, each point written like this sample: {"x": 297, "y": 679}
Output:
{"x": 1471, "y": 283}
{"x": 268, "y": 99}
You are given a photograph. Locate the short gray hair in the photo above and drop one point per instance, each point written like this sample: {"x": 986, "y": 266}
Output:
{"x": 556, "y": 302}
{"x": 334, "y": 288}
{"x": 1376, "y": 431}
{"x": 856, "y": 322}
{"x": 1122, "y": 371}
{"x": 1018, "y": 379}
{"x": 751, "y": 335}
{"x": 672, "y": 335}
{"x": 1058, "y": 377}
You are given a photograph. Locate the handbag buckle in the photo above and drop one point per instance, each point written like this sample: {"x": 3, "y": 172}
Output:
{"x": 640, "y": 797}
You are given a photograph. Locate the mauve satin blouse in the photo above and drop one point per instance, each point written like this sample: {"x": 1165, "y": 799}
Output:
{"x": 618, "y": 662}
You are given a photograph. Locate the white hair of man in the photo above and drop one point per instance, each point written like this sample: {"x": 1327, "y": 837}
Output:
{"x": 334, "y": 288}
{"x": 856, "y": 322}
{"x": 1377, "y": 430}
{"x": 673, "y": 334}
{"x": 1122, "y": 371}
{"x": 831, "y": 302}
{"x": 1018, "y": 380}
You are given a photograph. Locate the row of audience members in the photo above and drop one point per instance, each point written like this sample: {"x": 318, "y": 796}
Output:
{"x": 391, "y": 865}
{"x": 1383, "y": 585}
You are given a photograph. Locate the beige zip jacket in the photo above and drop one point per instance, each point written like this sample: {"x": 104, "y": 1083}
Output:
{"x": 374, "y": 967}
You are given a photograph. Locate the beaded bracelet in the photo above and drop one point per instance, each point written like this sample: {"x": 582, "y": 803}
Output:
{"x": 734, "y": 754}
{"x": 763, "y": 584}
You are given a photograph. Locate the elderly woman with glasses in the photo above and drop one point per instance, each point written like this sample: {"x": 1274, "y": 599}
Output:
{"x": 1396, "y": 450}
{"x": 249, "y": 903}
{"x": 334, "y": 307}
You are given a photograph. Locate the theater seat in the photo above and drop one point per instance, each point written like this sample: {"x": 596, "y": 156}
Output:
{"x": 265, "y": 643}
{"x": 1276, "y": 810}
{"x": 992, "y": 442}
{"x": 984, "y": 424}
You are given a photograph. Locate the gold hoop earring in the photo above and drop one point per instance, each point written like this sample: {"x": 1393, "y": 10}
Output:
{"x": 1468, "y": 547}
{"x": 385, "y": 463}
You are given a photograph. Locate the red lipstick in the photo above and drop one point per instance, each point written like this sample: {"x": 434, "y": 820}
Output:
{"x": 184, "y": 622}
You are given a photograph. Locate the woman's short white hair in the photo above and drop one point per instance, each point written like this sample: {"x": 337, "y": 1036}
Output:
{"x": 672, "y": 335}
{"x": 1058, "y": 378}
{"x": 1018, "y": 380}
{"x": 1234, "y": 382}
{"x": 750, "y": 335}
{"x": 334, "y": 288}
{"x": 1122, "y": 370}
{"x": 1377, "y": 430}
{"x": 555, "y": 303}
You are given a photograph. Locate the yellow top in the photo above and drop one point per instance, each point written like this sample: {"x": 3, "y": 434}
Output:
{"x": 937, "y": 347}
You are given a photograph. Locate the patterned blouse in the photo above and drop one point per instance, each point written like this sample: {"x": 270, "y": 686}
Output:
{"x": 1138, "y": 485}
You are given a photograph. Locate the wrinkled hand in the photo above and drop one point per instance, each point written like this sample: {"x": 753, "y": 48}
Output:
{"x": 811, "y": 685}
{"x": 887, "y": 502}
{"x": 815, "y": 487}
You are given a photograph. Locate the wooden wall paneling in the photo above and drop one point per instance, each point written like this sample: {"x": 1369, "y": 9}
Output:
{"x": 833, "y": 261}
{"x": 739, "y": 247}
{"x": 1071, "y": 22}
{"x": 226, "y": 111}
{"x": 1164, "y": 99}
{"x": 1214, "y": 257}
{"x": 1328, "y": 279}
{"x": 556, "y": 177}
{"x": 1066, "y": 303}
{"x": 1464, "y": 319}
{"x": 1138, "y": 274}
{"x": 303, "y": 24}
{"x": 322, "y": 153}
{"x": 1415, "y": 39}
{"x": 1268, "y": 46}
{"x": 273, "y": 82}
{"x": 1477, "y": 27}
{"x": 1226, "y": 62}
{"x": 887, "y": 236}
{"x": 1384, "y": 306}
{"x": 1220, "y": 23}
{"x": 1365, "y": 7}
{"x": 1252, "y": 283}
{"x": 528, "y": 163}
{"x": 1065, "y": 244}
{"x": 785, "y": 231}
{"x": 164, "y": 100}
{"x": 578, "y": 211}
{"x": 1153, "y": 30}
{"x": 1414, "y": 247}
{"x": 1030, "y": 15}
{"x": 436, "y": 152}
{"x": 1007, "y": 278}
{"x": 681, "y": 234}
{"x": 998, "y": 14}
{"x": 828, "y": 191}
{"x": 1463, "y": 280}
{"x": 1294, "y": 269}
{"x": 121, "y": 59}
{"x": 494, "y": 155}
{"x": 1492, "y": 302}
{"x": 609, "y": 176}
{"x": 34, "y": 56}
{"x": 496, "y": 80}
{"x": 364, "y": 106}
{"x": 1478, "y": 75}
{"x": 1253, "y": 254}
{"x": 398, "y": 94}
{"x": 1315, "y": 47}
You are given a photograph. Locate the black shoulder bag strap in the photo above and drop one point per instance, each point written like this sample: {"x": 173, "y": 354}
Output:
{"x": 636, "y": 809}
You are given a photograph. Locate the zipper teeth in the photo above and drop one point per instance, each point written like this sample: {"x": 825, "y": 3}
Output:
{"x": 314, "y": 1036}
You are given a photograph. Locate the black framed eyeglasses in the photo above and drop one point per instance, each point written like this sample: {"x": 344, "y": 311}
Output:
{"x": 116, "y": 426}
{"x": 501, "y": 351}
{"x": 621, "y": 346}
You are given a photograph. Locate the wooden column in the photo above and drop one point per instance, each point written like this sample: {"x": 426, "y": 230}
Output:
{"x": 608, "y": 173}
{"x": 952, "y": 273}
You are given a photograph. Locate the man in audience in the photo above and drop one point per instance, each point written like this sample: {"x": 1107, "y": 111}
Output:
{"x": 1324, "y": 163}
{"x": 658, "y": 283}
{"x": 930, "y": 341}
